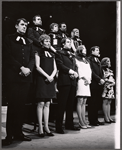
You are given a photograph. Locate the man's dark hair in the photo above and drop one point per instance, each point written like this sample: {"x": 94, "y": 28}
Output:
{"x": 93, "y": 48}
{"x": 18, "y": 21}
{"x": 61, "y": 24}
{"x": 34, "y": 18}
{"x": 64, "y": 40}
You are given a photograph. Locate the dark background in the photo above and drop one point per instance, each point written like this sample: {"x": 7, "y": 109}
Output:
{"x": 95, "y": 20}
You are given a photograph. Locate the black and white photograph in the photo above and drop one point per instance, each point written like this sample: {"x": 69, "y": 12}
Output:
{"x": 60, "y": 84}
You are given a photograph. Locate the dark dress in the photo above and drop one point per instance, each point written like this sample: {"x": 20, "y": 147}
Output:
{"x": 44, "y": 89}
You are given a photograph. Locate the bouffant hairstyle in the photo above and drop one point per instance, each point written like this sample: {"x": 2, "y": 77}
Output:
{"x": 104, "y": 61}
{"x": 73, "y": 31}
{"x": 80, "y": 49}
{"x": 43, "y": 37}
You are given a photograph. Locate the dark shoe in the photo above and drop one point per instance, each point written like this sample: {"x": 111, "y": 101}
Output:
{"x": 23, "y": 137}
{"x": 6, "y": 142}
{"x": 112, "y": 121}
{"x": 72, "y": 128}
{"x": 94, "y": 124}
{"x": 107, "y": 121}
{"x": 41, "y": 135}
{"x": 49, "y": 134}
{"x": 100, "y": 123}
{"x": 61, "y": 131}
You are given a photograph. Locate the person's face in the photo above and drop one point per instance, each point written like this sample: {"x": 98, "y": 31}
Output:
{"x": 55, "y": 28}
{"x": 38, "y": 21}
{"x": 46, "y": 43}
{"x": 63, "y": 27}
{"x": 21, "y": 27}
{"x": 108, "y": 63}
{"x": 76, "y": 34}
{"x": 67, "y": 44}
{"x": 96, "y": 52}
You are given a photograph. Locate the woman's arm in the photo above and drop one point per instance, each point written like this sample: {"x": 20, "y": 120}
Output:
{"x": 55, "y": 70}
{"x": 73, "y": 46}
{"x": 40, "y": 70}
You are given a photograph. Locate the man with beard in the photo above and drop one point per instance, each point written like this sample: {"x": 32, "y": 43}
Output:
{"x": 95, "y": 87}
{"x": 67, "y": 87}
{"x": 19, "y": 63}
{"x": 62, "y": 30}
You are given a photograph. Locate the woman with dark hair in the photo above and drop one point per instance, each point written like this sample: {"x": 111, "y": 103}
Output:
{"x": 83, "y": 89}
{"x": 108, "y": 90}
{"x": 45, "y": 90}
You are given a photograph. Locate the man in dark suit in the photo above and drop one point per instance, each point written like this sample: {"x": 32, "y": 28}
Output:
{"x": 95, "y": 86}
{"x": 19, "y": 63}
{"x": 35, "y": 32}
{"x": 67, "y": 87}
{"x": 63, "y": 30}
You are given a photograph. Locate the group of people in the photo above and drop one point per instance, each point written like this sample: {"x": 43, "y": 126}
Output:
{"x": 61, "y": 66}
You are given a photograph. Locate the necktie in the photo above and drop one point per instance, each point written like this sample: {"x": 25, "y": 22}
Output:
{"x": 23, "y": 40}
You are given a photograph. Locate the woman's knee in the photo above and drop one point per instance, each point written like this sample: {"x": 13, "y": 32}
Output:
{"x": 80, "y": 101}
{"x": 47, "y": 104}
{"x": 40, "y": 104}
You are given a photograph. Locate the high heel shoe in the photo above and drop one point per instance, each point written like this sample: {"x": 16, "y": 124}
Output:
{"x": 112, "y": 121}
{"x": 107, "y": 121}
{"x": 48, "y": 134}
{"x": 83, "y": 127}
{"x": 88, "y": 126}
{"x": 40, "y": 135}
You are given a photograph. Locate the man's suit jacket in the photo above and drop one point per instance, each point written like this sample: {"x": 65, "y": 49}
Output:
{"x": 16, "y": 55}
{"x": 64, "y": 64}
{"x": 34, "y": 35}
{"x": 96, "y": 72}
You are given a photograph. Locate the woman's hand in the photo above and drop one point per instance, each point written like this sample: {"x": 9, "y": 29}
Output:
{"x": 49, "y": 79}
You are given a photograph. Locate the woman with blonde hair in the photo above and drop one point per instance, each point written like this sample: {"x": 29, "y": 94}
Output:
{"x": 108, "y": 90}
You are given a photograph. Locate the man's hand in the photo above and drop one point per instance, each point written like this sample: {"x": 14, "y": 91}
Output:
{"x": 25, "y": 71}
{"x": 102, "y": 81}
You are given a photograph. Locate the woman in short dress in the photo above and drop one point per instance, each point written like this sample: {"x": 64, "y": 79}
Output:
{"x": 108, "y": 90}
{"x": 45, "y": 90}
{"x": 83, "y": 88}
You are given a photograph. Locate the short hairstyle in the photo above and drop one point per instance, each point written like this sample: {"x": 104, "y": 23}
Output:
{"x": 93, "y": 48}
{"x": 64, "y": 40}
{"x": 34, "y": 18}
{"x": 18, "y": 21}
{"x": 61, "y": 24}
{"x": 52, "y": 25}
{"x": 43, "y": 37}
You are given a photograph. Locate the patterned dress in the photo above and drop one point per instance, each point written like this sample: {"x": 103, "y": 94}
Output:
{"x": 108, "y": 90}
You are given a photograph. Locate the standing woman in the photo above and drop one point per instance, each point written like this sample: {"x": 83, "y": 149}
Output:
{"x": 108, "y": 91}
{"x": 75, "y": 39}
{"x": 83, "y": 89}
{"x": 45, "y": 90}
